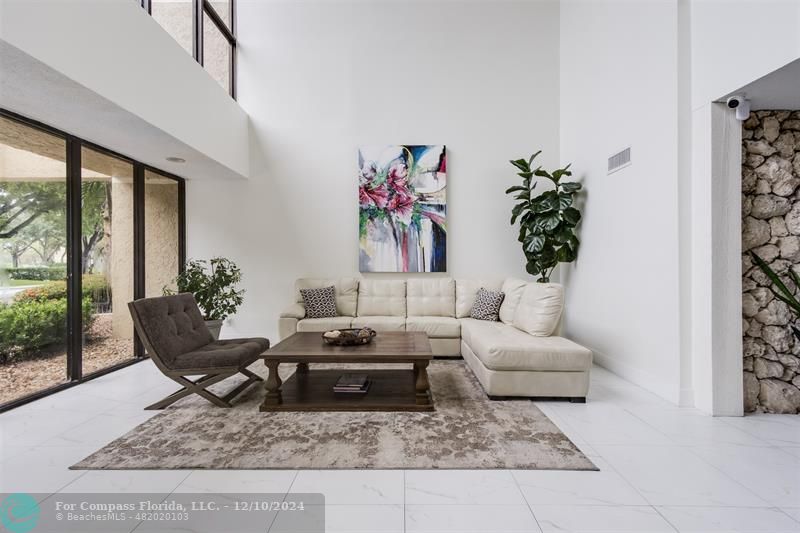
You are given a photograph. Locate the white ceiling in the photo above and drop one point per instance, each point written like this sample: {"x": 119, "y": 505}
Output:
{"x": 777, "y": 90}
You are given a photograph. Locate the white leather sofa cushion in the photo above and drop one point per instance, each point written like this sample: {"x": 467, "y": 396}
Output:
{"x": 503, "y": 347}
{"x": 346, "y": 292}
{"x": 431, "y": 297}
{"x": 437, "y": 327}
{"x": 513, "y": 289}
{"x": 526, "y": 383}
{"x": 382, "y": 297}
{"x": 380, "y": 323}
{"x": 324, "y": 324}
{"x": 466, "y": 289}
{"x": 539, "y": 309}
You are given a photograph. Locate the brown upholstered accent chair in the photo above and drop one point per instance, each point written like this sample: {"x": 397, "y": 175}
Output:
{"x": 175, "y": 335}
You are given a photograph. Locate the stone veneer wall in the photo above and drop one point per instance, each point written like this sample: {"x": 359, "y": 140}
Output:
{"x": 770, "y": 228}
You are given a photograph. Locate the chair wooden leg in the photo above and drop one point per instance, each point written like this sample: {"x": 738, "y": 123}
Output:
{"x": 252, "y": 379}
{"x": 251, "y": 375}
{"x": 169, "y": 400}
{"x": 194, "y": 387}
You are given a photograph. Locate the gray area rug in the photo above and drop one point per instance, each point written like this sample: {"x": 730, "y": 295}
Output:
{"x": 467, "y": 431}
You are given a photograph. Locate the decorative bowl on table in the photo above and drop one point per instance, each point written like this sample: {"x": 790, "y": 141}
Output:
{"x": 349, "y": 336}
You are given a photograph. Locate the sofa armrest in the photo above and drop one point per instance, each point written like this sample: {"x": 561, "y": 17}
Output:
{"x": 294, "y": 311}
{"x": 286, "y": 327}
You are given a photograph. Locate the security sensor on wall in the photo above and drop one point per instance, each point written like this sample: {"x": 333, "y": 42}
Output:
{"x": 741, "y": 104}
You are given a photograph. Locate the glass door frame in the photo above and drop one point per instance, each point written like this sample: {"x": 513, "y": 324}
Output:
{"x": 74, "y": 370}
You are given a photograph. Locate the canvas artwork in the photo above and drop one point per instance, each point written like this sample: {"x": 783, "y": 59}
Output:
{"x": 403, "y": 208}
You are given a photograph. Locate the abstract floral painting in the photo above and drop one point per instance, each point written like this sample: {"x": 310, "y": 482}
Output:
{"x": 402, "y": 198}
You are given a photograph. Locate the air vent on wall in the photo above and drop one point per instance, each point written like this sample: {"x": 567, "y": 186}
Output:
{"x": 619, "y": 160}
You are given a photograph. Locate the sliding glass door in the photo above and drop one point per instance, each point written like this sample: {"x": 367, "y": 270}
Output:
{"x": 106, "y": 259}
{"x": 83, "y": 231}
{"x": 33, "y": 239}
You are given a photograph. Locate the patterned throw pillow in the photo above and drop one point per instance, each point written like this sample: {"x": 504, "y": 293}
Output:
{"x": 319, "y": 303}
{"x": 487, "y": 305}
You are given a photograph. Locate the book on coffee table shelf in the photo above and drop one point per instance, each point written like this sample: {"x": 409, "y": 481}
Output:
{"x": 352, "y": 383}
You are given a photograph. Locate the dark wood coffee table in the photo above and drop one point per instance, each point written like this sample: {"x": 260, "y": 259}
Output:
{"x": 311, "y": 389}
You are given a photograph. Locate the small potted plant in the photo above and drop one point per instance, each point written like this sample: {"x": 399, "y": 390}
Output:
{"x": 214, "y": 285}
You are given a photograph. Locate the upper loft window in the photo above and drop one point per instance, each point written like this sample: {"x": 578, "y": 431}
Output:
{"x": 206, "y": 29}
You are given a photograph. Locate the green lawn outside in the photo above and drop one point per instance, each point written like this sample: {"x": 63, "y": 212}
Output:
{"x": 24, "y": 282}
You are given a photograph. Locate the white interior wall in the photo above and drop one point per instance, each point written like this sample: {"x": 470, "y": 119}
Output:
{"x": 733, "y": 43}
{"x": 619, "y": 87}
{"x": 737, "y": 41}
{"x": 684, "y": 349}
{"x": 320, "y": 78}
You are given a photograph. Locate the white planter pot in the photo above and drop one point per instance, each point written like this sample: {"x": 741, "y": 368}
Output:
{"x": 214, "y": 326}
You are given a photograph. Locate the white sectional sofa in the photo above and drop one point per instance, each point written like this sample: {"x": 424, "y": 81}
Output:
{"x": 522, "y": 354}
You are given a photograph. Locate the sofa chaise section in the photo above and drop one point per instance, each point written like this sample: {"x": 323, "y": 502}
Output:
{"x": 511, "y": 362}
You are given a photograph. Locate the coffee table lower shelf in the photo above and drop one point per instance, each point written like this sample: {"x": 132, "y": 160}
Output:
{"x": 312, "y": 390}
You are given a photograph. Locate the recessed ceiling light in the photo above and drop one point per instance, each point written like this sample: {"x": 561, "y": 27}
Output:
{"x": 173, "y": 159}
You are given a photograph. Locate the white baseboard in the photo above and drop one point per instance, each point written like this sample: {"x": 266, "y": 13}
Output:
{"x": 687, "y": 397}
{"x": 639, "y": 378}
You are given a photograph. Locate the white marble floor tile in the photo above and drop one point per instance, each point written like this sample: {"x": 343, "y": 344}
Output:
{"x": 478, "y": 487}
{"x": 595, "y": 519}
{"x": 792, "y": 450}
{"x": 125, "y": 388}
{"x": 565, "y": 487}
{"x": 101, "y": 429}
{"x": 470, "y": 518}
{"x": 128, "y": 481}
{"x": 52, "y": 456}
{"x": 73, "y": 399}
{"x": 41, "y": 470}
{"x": 351, "y": 519}
{"x": 770, "y": 472}
{"x": 729, "y": 520}
{"x": 352, "y": 486}
{"x": 794, "y": 512}
{"x": 778, "y": 430}
{"x": 673, "y": 475}
{"x": 238, "y": 481}
{"x": 29, "y": 427}
{"x": 688, "y": 427}
{"x": 615, "y": 390}
{"x": 9, "y": 451}
{"x": 605, "y": 424}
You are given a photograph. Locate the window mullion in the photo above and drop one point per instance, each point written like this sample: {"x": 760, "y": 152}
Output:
{"x": 197, "y": 29}
{"x": 74, "y": 262}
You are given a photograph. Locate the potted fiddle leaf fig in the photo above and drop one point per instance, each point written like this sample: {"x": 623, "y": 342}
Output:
{"x": 548, "y": 221}
{"x": 214, "y": 286}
